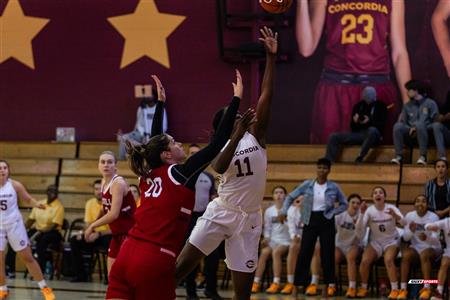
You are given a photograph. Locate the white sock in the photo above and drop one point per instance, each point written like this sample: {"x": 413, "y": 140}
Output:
{"x": 403, "y": 285}
{"x": 394, "y": 285}
{"x": 426, "y": 286}
{"x": 290, "y": 278}
{"x": 315, "y": 279}
{"x": 352, "y": 284}
{"x": 257, "y": 279}
{"x": 276, "y": 280}
{"x": 332, "y": 285}
{"x": 364, "y": 286}
{"x": 42, "y": 284}
{"x": 440, "y": 289}
{"x": 3, "y": 288}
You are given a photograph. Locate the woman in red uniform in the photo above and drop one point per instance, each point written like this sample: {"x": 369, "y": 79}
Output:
{"x": 118, "y": 206}
{"x": 358, "y": 55}
{"x": 145, "y": 267}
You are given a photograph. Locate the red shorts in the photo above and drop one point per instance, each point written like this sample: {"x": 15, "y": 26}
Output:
{"x": 142, "y": 272}
{"x": 333, "y": 105}
{"x": 115, "y": 244}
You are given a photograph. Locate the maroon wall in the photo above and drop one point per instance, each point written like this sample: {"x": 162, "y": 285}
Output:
{"x": 77, "y": 81}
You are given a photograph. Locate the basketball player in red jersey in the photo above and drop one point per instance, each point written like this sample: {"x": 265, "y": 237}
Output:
{"x": 145, "y": 267}
{"x": 440, "y": 31}
{"x": 357, "y": 34}
{"x": 118, "y": 206}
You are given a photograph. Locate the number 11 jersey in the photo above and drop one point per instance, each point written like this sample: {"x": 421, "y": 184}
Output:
{"x": 243, "y": 184}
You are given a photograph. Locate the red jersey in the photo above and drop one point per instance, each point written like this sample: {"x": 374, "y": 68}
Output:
{"x": 165, "y": 211}
{"x": 125, "y": 221}
{"x": 356, "y": 36}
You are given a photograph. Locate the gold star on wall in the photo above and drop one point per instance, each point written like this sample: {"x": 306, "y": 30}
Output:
{"x": 146, "y": 32}
{"x": 16, "y": 33}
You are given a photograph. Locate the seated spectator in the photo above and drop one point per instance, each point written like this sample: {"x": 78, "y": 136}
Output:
{"x": 47, "y": 224}
{"x": 101, "y": 238}
{"x": 348, "y": 244}
{"x": 136, "y": 194}
{"x": 437, "y": 190}
{"x": 295, "y": 232}
{"x": 418, "y": 116}
{"x": 425, "y": 246}
{"x": 442, "y": 129}
{"x": 275, "y": 243}
{"x": 367, "y": 126}
{"x": 443, "y": 225}
{"x": 143, "y": 126}
{"x": 382, "y": 219}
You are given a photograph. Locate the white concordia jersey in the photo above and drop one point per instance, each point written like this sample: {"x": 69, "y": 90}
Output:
{"x": 274, "y": 230}
{"x": 293, "y": 220}
{"x": 243, "y": 183}
{"x": 432, "y": 240}
{"x": 346, "y": 229}
{"x": 9, "y": 209}
{"x": 382, "y": 225}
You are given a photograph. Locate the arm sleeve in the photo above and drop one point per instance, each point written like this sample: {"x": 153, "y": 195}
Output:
{"x": 157, "y": 123}
{"x": 165, "y": 121}
{"x": 188, "y": 172}
{"x": 291, "y": 197}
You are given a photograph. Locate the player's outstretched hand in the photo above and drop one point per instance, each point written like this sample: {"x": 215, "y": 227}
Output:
{"x": 160, "y": 89}
{"x": 270, "y": 40}
{"x": 244, "y": 123}
{"x": 238, "y": 87}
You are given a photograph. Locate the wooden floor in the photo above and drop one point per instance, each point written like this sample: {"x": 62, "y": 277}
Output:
{"x": 25, "y": 289}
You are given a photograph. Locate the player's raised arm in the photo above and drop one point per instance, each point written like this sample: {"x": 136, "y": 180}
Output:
{"x": 309, "y": 25}
{"x": 441, "y": 32}
{"x": 157, "y": 125}
{"x": 269, "y": 38}
{"x": 399, "y": 53}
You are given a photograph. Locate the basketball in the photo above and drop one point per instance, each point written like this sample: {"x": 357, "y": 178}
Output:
{"x": 275, "y": 6}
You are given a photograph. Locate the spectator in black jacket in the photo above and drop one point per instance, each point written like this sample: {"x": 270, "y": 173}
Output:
{"x": 367, "y": 125}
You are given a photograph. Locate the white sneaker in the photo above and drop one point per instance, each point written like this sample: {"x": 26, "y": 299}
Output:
{"x": 396, "y": 160}
{"x": 422, "y": 161}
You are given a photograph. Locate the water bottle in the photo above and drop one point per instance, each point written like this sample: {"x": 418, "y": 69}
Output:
{"x": 48, "y": 270}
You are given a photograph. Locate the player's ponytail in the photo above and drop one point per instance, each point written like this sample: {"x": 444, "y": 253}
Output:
{"x": 144, "y": 157}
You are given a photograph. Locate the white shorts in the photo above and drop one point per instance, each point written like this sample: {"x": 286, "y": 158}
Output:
{"x": 345, "y": 248}
{"x": 420, "y": 248}
{"x": 241, "y": 232}
{"x": 275, "y": 244}
{"x": 380, "y": 248}
{"x": 15, "y": 234}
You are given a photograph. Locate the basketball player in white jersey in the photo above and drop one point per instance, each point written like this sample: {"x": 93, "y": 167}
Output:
{"x": 424, "y": 248}
{"x": 382, "y": 219}
{"x": 12, "y": 230}
{"x": 348, "y": 245}
{"x": 275, "y": 243}
{"x": 235, "y": 216}
{"x": 443, "y": 225}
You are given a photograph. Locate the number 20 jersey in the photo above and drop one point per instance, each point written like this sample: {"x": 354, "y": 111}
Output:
{"x": 244, "y": 182}
{"x": 165, "y": 211}
{"x": 356, "y": 36}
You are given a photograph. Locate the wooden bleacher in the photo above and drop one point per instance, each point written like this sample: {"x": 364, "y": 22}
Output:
{"x": 74, "y": 167}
